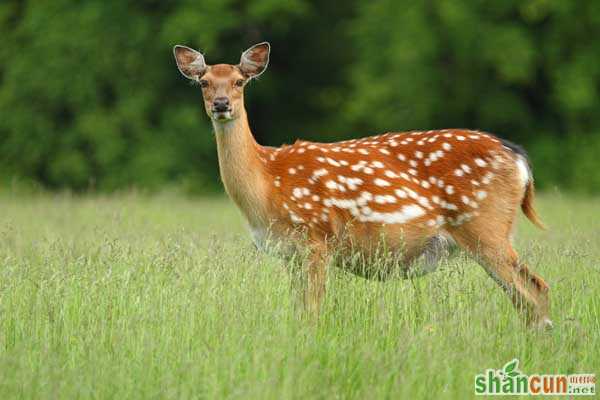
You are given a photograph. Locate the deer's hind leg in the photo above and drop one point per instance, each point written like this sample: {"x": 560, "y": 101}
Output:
{"x": 490, "y": 244}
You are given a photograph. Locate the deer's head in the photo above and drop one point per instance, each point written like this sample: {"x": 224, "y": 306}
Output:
{"x": 222, "y": 84}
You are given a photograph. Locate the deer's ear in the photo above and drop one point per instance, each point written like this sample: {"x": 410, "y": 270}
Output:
{"x": 190, "y": 62}
{"x": 254, "y": 61}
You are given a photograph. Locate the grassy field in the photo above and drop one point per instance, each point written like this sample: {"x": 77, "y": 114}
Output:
{"x": 165, "y": 297}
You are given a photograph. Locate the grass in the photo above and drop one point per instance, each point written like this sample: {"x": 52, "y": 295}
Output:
{"x": 165, "y": 297}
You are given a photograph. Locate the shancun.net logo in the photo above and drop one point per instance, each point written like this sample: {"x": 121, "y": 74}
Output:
{"x": 510, "y": 381}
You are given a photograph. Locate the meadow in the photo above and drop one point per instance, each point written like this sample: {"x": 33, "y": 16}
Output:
{"x": 132, "y": 296}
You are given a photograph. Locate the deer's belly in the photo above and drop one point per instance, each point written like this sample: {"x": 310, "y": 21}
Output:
{"x": 378, "y": 258}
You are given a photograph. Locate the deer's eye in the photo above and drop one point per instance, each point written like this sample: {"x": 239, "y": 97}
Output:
{"x": 239, "y": 82}
{"x": 203, "y": 83}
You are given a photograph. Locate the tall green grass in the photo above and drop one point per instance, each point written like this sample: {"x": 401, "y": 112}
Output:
{"x": 165, "y": 297}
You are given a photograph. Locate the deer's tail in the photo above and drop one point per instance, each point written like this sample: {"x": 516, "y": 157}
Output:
{"x": 526, "y": 176}
{"x": 527, "y": 205}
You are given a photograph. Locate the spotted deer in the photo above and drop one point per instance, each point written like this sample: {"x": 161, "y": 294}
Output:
{"x": 415, "y": 191}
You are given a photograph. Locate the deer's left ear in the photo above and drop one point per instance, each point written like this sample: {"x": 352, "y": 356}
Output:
{"x": 254, "y": 61}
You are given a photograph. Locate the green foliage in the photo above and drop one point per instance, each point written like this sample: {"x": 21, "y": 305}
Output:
{"x": 90, "y": 96}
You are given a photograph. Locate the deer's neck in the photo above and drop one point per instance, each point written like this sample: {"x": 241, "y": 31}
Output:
{"x": 243, "y": 173}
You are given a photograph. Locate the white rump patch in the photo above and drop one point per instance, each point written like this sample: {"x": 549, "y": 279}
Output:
{"x": 524, "y": 174}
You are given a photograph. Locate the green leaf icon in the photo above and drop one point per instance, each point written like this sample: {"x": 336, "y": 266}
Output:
{"x": 511, "y": 366}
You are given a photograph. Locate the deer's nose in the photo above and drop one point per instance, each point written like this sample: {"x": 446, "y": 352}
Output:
{"x": 221, "y": 104}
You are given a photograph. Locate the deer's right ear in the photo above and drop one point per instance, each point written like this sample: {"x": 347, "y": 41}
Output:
{"x": 190, "y": 62}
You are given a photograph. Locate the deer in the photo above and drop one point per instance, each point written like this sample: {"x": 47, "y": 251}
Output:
{"x": 417, "y": 192}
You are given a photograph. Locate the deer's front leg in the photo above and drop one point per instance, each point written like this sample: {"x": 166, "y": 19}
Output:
{"x": 316, "y": 272}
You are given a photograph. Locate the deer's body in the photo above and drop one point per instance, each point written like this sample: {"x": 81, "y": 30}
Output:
{"x": 405, "y": 192}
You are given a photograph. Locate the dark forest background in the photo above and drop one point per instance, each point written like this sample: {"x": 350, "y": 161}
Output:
{"x": 90, "y": 97}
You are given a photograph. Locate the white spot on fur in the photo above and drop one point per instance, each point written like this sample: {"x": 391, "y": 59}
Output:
{"x": 381, "y": 182}
{"x": 406, "y": 214}
{"x": 333, "y": 162}
{"x": 319, "y": 172}
{"x": 385, "y": 199}
{"x": 295, "y": 218}
{"x": 487, "y": 178}
{"x": 331, "y": 185}
{"x": 400, "y": 193}
{"x": 480, "y": 162}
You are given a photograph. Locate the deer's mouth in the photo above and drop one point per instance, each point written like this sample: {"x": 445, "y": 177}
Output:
{"x": 222, "y": 115}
